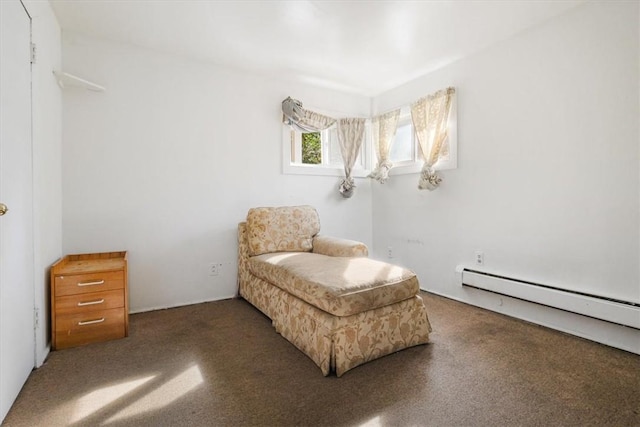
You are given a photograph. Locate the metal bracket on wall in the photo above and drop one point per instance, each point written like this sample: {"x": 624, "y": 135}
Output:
{"x": 69, "y": 80}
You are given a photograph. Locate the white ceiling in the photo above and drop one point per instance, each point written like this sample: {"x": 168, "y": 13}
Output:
{"x": 364, "y": 47}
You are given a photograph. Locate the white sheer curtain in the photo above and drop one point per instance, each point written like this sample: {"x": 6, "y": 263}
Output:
{"x": 304, "y": 120}
{"x": 350, "y": 137}
{"x": 383, "y": 129}
{"x": 430, "y": 117}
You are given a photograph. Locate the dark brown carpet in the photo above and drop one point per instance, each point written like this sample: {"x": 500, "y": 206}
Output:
{"x": 222, "y": 363}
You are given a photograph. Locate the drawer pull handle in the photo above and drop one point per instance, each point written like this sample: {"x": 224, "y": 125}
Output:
{"x": 99, "y": 282}
{"x": 98, "y": 301}
{"x": 90, "y": 322}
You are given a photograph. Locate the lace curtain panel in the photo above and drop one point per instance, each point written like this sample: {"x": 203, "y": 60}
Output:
{"x": 383, "y": 129}
{"x": 430, "y": 117}
{"x": 304, "y": 120}
{"x": 350, "y": 137}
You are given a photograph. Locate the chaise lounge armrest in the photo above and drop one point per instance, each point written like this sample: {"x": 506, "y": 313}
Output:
{"x": 334, "y": 246}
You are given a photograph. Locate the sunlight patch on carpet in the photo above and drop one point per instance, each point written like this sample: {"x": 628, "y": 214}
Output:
{"x": 163, "y": 395}
{"x": 373, "y": 422}
{"x": 96, "y": 400}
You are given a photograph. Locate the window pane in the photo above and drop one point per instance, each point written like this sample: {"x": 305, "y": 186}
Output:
{"x": 311, "y": 148}
{"x": 402, "y": 147}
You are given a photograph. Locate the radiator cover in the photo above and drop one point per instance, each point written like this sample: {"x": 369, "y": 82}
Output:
{"x": 608, "y": 309}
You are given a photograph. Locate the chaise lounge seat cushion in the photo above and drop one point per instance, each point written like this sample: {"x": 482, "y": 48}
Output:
{"x": 338, "y": 285}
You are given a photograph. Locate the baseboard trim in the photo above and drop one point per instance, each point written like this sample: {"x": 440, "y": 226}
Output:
{"x": 181, "y": 304}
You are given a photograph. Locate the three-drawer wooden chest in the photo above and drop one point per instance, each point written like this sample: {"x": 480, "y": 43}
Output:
{"x": 89, "y": 299}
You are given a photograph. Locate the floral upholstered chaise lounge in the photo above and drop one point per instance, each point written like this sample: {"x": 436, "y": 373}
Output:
{"x": 323, "y": 294}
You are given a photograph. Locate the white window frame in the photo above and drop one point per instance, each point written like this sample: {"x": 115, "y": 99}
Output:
{"x": 292, "y": 148}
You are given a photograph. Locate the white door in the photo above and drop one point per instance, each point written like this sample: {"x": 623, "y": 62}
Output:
{"x": 17, "y": 339}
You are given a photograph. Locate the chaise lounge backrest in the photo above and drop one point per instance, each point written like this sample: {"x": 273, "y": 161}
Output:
{"x": 281, "y": 229}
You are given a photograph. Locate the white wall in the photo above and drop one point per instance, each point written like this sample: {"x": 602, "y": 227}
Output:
{"x": 47, "y": 181}
{"x": 168, "y": 160}
{"x": 548, "y": 179}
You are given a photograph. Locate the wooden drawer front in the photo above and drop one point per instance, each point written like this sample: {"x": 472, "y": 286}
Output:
{"x": 82, "y": 303}
{"x": 85, "y": 283}
{"x": 85, "y": 328}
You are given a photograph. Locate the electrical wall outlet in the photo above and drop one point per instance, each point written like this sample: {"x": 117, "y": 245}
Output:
{"x": 479, "y": 258}
{"x": 389, "y": 252}
{"x": 215, "y": 268}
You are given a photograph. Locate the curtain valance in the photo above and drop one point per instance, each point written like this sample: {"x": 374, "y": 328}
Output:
{"x": 304, "y": 120}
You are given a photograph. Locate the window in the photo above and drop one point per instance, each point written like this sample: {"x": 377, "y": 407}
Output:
{"x": 404, "y": 148}
{"x": 314, "y": 148}
{"x": 311, "y": 148}
{"x": 405, "y": 153}
{"x": 318, "y": 153}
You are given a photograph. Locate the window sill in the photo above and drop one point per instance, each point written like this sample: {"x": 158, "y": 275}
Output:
{"x": 415, "y": 167}
{"x": 406, "y": 169}
{"x": 289, "y": 169}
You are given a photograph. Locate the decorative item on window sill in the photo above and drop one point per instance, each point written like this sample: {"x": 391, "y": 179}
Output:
{"x": 347, "y": 187}
{"x": 429, "y": 179}
{"x": 381, "y": 172}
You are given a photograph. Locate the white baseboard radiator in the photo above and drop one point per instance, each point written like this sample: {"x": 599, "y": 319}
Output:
{"x": 608, "y": 309}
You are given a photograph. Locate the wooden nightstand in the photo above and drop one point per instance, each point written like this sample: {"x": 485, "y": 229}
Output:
{"x": 89, "y": 299}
